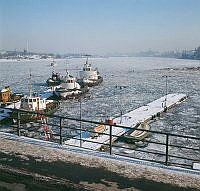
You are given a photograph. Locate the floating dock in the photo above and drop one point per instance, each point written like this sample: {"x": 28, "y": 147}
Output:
{"x": 130, "y": 119}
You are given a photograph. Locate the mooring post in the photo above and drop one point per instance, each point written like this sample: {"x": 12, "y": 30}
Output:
{"x": 167, "y": 149}
{"x": 18, "y": 123}
{"x": 60, "y": 131}
{"x": 110, "y": 139}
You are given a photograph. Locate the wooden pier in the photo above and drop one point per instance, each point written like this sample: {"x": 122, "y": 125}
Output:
{"x": 130, "y": 119}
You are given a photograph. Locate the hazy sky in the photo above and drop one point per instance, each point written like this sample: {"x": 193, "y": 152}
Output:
{"x": 99, "y": 26}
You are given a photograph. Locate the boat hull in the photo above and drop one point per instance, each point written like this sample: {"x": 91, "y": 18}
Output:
{"x": 51, "y": 82}
{"x": 63, "y": 94}
{"x": 25, "y": 117}
{"x": 91, "y": 82}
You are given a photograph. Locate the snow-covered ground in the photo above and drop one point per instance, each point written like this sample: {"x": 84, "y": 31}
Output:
{"x": 134, "y": 169}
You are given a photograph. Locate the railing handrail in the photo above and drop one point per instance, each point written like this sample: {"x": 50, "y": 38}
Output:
{"x": 112, "y": 136}
{"x": 103, "y": 123}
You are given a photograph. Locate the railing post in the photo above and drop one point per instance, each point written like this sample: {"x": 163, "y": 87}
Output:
{"x": 18, "y": 123}
{"x": 60, "y": 131}
{"x": 110, "y": 140}
{"x": 167, "y": 149}
{"x": 80, "y": 122}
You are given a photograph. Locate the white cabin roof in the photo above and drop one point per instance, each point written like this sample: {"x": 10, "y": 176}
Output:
{"x": 4, "y": 90}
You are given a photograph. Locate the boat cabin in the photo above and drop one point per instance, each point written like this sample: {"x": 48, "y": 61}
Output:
{"x": 88, "y": 72}
{"x": 87, "y": 67}
{"x": 33, "y": 103}
{"x": 56, "y": 76}
{"x": 5, "y": 94}
{"x": 70, "y": 82}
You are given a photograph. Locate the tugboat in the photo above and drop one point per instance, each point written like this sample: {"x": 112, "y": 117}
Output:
{"x": 36, "y": 104}
{"x": 90, "y": 76}
{"x": 8, "y": 98}
{"x": 55, "y": 80}
{"x": 70, "y": 88}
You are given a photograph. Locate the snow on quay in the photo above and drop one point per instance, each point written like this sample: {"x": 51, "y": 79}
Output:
{"x": 130, "y": 119}
{"x": 24, "y": 147}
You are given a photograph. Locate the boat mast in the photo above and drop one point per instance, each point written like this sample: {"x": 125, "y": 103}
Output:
{"x": 30, "y": 85}
{"x": 87, "y": 60}
{"x": 27, "y": 46}
{"x": 53, "y": 63}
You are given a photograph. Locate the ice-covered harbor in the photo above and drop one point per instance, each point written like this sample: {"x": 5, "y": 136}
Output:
{"x": 143, "y": 82}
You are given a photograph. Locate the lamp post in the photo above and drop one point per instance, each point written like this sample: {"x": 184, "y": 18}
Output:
{"x": 165, "y": 105}
{"x": 80, "y": 122}
{"x": 120, "y": 87}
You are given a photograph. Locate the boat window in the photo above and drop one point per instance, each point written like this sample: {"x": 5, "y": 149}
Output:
{"x": 34, "y": 100}
{"x": 26, "y": 100}
{"x": 30, "y": 100}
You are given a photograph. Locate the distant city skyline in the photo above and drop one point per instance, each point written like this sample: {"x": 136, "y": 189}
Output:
{"x": 99, "y": 26}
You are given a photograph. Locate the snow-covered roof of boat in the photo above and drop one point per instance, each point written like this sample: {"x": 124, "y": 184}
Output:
{"x": 4, "y": 90}
{"x": 31, "y": 97}
{"x": 70, "y": 77}
{"x": 87, "y": 65}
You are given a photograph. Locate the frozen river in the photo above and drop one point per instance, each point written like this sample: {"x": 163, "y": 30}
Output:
{"x": 142, "y": 77}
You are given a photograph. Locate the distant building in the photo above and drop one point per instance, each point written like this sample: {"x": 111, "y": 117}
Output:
{"x": 197, "y": 53}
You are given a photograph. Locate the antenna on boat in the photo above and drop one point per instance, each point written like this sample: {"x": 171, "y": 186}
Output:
{"x": 86, "y": 60}
{"x": 52, "y": 64}
{"x": 67, "y": 73}
{"x": 30, "y": 83}
{"x": 27, "y": 47}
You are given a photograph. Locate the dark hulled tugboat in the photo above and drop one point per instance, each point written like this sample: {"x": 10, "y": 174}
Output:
{"x": 55, "y": 80}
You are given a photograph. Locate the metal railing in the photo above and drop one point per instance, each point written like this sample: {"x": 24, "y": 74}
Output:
{"x": 167, "y": 149}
